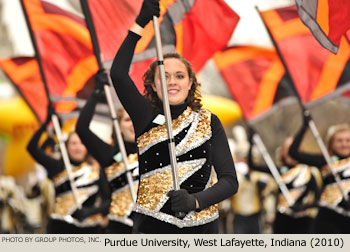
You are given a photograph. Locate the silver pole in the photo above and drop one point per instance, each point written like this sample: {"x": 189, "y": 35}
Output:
{"x": 120, "y": 140}
{"x": 166, "y": 107}
{"x": 325, "y": 153}
{"x": 65, "y": 157}
{"x": 259, "y": 143}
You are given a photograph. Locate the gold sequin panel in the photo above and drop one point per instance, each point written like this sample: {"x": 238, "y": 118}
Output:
{"x": 117, "y": 168}
{"x": 153, "y": 188}
{"x": 207, "y": 212}
{"x": 65, "y": 204}
{"x": 294, "y": 195}
{"x": 331, "y": 195}
{"x": 338, "y": 166}
{"x": 122, "y": 202}
{"x": 158, "y": 132}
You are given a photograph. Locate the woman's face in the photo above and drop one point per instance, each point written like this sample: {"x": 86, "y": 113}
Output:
{"x": 127, "y": 128}
{"x": 76, "y": 150}
{"x": 341, "y": 143}
{"x": 178, "y": 81}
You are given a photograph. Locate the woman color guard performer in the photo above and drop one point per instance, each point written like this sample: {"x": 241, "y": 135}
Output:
{"x": 108, "y": 156}
{"x": 334, "y": 210}
{"x": 304, "y": 184}
{"x": 200, "y": 140}
{"x": 93, "y": 193}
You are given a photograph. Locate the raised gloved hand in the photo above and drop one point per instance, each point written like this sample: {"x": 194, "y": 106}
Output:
{"x": 182, "y": 201}
{"x": 149, "y": 9}
{"x": 101, "y": 79}
{"x": 307, "y": 117}
{"x": 50, "y": 112}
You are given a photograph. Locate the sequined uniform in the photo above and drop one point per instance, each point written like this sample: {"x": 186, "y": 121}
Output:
{"x": 120, "y": 210}
{"x": 334, "y": 212}
{"x": 304, "y": 185}
{"x": 195, "y": 161}
{"x": 87, "y": 180}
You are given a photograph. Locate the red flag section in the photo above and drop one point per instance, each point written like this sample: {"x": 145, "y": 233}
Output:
{"x": 196, "y": 29}
{"x": 24, "y": 74}
{"x": 112, "y": 19}
{"x": 252, "y": 75}
{"x": 328, "y": 20}
{"x": 65, "y": 49}
{"x": 314, "y": 70}
{"x": 205, "y": 29}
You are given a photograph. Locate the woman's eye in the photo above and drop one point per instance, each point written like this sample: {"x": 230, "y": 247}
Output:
{"x": 180, "y": 76}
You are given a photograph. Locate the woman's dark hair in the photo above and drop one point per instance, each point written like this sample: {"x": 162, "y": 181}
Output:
{"x": 194, "y": 96}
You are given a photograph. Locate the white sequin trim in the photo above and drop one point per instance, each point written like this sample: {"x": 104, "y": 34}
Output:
{"x": 186, "y": 222}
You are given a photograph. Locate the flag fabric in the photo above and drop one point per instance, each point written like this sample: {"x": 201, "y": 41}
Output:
{"x": 24, "y": 74}
{"x": 328, "y": 20}
{"x": 195, "y": 29}
{"x": 315, "y": 71}
{"x": 65, "y": 49}
{"x": 252, "y": 75}
{"x": 112, "y": 19}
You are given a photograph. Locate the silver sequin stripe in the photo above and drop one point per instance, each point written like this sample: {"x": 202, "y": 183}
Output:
{"x": 183, "y": 125}
{"x": 178, "y": 148}
{"x": 186, "y": 222}
{"x": 69, "y": 219}
{"x": 125, "y": 220}
{"x": 85, "y": 170}
{"x": 198, "y": 163}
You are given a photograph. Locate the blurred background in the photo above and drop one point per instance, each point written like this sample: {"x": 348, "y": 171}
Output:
{"x": 279, "y": 117}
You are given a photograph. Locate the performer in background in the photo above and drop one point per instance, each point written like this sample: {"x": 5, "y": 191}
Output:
{"x": 109, "y": 157}
{"x": 334, "y": 210}
{"x": 304, "y": 183}
{"x": 90, "y": 181}
{"x": 200, "y": 140}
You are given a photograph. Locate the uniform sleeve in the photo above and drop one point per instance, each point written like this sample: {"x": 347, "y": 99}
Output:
{"x": 100, "y": 150}
{"x": 138, "y": 108}
{"x": 52, "y": 166}
{"x": 227, "y": 184}
{"x": 302, "y": 157}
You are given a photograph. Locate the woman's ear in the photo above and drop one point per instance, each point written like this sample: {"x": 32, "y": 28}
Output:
{"x": 191, "y": 83}
{"x": 154, "y": 87}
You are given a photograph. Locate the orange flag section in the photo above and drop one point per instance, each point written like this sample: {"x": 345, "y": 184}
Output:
{"x": 314, "y": 70}
{"x": 64, "y": 47}
{"x": 24, "y": 74}
{"x": 252, "y": 75}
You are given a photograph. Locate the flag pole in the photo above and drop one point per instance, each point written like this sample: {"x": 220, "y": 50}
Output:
{"x": 95, "y": 45}
{"x": 166, "y": 108}
{"x": 54, "y": 117}
{"x": 312, "y": 124}
{"x": 274, "y": 171}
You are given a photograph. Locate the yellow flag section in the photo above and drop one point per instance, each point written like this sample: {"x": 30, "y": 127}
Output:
{"x": 19, "y": 123}
{"x": 227, "y": 110}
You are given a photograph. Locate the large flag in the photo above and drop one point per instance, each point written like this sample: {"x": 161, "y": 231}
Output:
{"x": 328, "y": 20}
{"x": 196, "y": 29}
{"x": 24, "y": 74}
{"x": 65, "y": 49}
{"x": 315, "y": 71}
{"x": 252, "y": 75}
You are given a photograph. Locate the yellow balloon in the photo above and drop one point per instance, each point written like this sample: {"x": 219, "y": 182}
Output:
{"x": 19, "y": 122}
{"x": 227, "y": 110}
